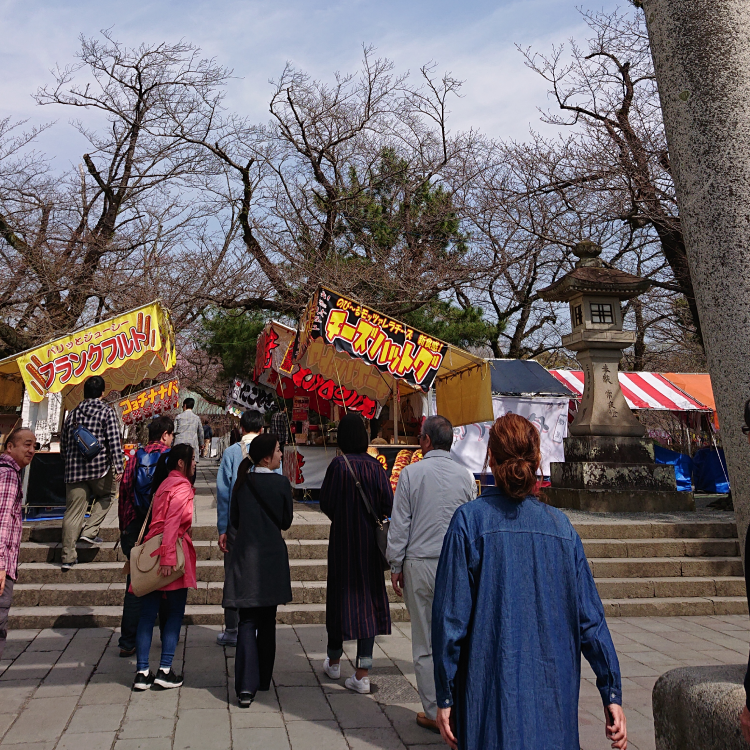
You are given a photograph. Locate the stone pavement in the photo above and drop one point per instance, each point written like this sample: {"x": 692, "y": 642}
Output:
{"x": 69, "y": 690}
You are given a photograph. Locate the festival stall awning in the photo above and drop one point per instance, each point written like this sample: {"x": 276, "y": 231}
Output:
{"x": 642, "y": 390}
{"x": 698, "y": 386}
{"x": 524, "y": 377}
{"x": 123, "y": 350}
{"x": 400, "y": 357}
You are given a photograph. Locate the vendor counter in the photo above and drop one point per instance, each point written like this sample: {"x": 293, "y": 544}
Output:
{"x": 305, "y": 465}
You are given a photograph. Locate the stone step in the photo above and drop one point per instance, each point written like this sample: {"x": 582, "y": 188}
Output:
{"x": 112, "y": 572}
{"x": 317, "y": 549}
{"x": 99, "y": 617}
{"x": 632, "y": 548}
{"x": 665, "y": 567}
{"x": 111, "y": 594}
{"x": 664, "y": 588}
{"x": 629, "y": 529}
{"x": 306, "y": 569}
{"x": 304, "y": 528}
{"x": 204, "y": 550}
{"x": 675, "y": 606}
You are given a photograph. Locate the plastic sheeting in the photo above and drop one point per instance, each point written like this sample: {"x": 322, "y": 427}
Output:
{"x": 683, "y": 466}
{"x": 518, "y": 377}
{"x": 710, "y": 471}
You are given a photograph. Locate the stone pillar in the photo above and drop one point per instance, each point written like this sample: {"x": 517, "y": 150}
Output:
{"x": 701, "y": 51}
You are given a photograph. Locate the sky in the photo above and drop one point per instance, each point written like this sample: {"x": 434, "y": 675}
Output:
{"x": 474, "y": 40}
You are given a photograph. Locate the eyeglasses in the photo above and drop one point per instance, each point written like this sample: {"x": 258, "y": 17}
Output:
{"x": 745, "y": 430}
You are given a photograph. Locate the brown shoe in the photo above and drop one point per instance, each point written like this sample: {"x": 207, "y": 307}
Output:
{"x": 426, "y": 723}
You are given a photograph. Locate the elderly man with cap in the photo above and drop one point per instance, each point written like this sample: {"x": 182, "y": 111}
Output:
{"x": 19, "y": 450}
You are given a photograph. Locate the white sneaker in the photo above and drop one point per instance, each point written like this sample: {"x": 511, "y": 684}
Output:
{"x": 358, "y": 686}
{"x": 227, "y": 638}
{"x": 332, "y": 670}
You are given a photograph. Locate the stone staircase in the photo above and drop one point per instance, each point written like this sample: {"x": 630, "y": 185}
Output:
{"x": 641, "y": 568}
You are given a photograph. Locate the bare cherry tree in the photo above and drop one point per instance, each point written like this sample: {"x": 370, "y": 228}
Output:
{"x": 347, "y": 185}
{"x": 106, "y": 235}
{"x": 606, "y": 93}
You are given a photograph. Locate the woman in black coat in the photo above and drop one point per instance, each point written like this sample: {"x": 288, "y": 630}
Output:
{"x": 257, "y": 576}
{"x": 356, "y": 597}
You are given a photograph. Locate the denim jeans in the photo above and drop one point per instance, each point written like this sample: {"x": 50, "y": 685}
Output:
{"x": 364, "y": 651}
{"x": 256, "y": 649}
{"x": 131, "y": 604}
{"x": 150, "y": 604}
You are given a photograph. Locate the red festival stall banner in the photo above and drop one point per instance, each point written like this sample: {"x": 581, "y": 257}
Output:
{"x": 150, "y": 402}
{"x": 378, "y": 340}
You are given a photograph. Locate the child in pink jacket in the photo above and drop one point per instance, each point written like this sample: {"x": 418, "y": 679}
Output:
{"x": 171, "y": 516}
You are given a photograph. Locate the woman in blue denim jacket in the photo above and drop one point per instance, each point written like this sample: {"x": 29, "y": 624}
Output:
{"x": 515, "y": 606}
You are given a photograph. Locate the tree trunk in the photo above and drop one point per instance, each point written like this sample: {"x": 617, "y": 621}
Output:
{"x": 701, "y": 52}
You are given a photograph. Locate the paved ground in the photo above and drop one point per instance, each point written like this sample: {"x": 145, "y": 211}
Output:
{"x": 69, "y": 690}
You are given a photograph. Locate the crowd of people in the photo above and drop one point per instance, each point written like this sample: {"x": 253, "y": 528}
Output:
{"x": 500, "y": 596}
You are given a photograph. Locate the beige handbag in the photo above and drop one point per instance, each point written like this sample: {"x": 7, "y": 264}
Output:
{"x": 144, "y": 569}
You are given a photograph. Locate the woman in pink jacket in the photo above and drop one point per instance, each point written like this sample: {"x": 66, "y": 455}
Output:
{"x": 171, "y": 516}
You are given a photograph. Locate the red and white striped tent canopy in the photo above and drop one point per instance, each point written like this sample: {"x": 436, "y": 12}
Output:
{"x": 642, "y": 390}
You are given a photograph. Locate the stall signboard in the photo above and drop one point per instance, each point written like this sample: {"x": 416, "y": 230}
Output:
{"x": 70, "y": 360}
{"x": 274, "y": 348}
{"x": 378, "y": 340}
{"x": 244, "y": 394}
{"x": 150, "y": 402}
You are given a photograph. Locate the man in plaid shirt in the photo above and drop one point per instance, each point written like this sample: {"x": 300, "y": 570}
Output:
{"x": 19, "y": 450}
{"x": 89, "y": 480}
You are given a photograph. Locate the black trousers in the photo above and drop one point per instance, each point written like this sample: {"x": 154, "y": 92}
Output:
{"x": 256, "y": 649}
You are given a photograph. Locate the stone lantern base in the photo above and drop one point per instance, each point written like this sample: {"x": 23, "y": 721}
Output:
{"x": 614, "y": 474}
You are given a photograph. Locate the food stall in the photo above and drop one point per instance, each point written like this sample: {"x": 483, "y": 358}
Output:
{"x": 48, "y": 380}
{"x": 348, "y": 357}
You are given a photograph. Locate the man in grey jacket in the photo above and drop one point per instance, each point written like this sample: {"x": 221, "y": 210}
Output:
{"x": 427, "y": 495}
{"x": 188, "y": 427}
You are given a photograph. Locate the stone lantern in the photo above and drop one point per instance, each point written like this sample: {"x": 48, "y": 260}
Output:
{"x": 609, "y": 465}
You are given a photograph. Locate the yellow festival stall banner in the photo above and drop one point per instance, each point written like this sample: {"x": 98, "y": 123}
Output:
{"x": 123, "y": 350}
{"x": 150, "y": 402}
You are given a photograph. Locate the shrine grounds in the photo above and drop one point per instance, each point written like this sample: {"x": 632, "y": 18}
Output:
{"x": 67, "y": 689}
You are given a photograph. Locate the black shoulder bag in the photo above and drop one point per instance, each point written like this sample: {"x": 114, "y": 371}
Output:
{"x": 86, "y": 442}
{"x": 381, "y": 524}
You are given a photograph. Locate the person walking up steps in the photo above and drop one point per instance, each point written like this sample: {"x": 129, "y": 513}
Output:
{"x": 89, "y": 480}
{"x": 188, "y": 427}
{"x": 251, "y": 425}
{"x": 356, "y": 598}
{"x": 427, "y": 495}
{"x": 20, "y": 447}
{"x": 257, "y": 571}
{"x": 135, "y": 496}
{"x": 171, "y": 516}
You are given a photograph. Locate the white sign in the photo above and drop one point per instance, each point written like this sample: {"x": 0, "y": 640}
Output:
{"x": 248, "y": 395}
{"x": 549, "y": 415}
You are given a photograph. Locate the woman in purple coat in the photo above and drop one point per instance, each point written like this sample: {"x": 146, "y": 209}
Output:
{"x": 356, "y": 600}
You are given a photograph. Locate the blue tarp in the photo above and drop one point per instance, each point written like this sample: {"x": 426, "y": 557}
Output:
{"x": 710, "y": 471}
{"x": 682, "y": 463}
